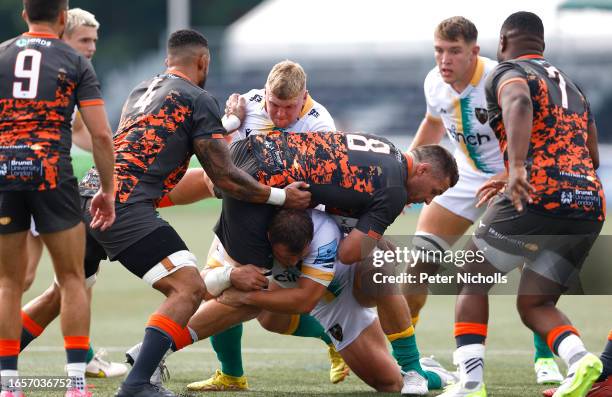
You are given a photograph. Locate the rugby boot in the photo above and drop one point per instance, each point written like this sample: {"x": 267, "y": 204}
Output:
{"x": 220, "y": 382}
{"x": 547, "y": 372}
{"x": 339, "y": 370}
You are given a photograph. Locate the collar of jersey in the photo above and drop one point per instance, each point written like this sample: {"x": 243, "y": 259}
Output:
{"x": 409, "y": 163}
{"x": 531, "y": 56}
{"x": 179, "y": 74}
{"x": 41, "y": 35}
{"x": 478, "y": 73}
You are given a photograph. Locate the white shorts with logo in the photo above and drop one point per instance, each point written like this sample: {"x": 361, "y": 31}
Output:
{"x": 343, "y": 318}
{"x": 461, "y": 199}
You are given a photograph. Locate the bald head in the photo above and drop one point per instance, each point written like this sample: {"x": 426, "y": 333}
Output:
{"x": 522, "y": 33}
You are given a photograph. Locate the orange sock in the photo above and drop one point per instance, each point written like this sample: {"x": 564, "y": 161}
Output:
{"x": 181, "y": 337}
{"x": 30, "y": 325}
{"x": 470, "y": 333}
{"x": 552, "y": 339}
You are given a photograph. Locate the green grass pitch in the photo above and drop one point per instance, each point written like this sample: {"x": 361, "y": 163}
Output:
{"x": 284, "y": 365}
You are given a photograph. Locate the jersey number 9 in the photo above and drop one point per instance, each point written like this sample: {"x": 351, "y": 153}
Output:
{"x": 31, "y": 58}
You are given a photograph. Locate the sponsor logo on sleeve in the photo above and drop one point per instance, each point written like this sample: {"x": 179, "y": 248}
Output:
{"x": 327, "y": 253}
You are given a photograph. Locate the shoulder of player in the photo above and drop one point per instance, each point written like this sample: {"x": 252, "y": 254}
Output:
{"x": 433, "y": 84}
{"x": 318, "y": 111}
{"x": 254, "y": 96}
{"x": 324, "y": 224}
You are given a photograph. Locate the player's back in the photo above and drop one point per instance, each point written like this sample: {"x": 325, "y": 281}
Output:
{"x": 559, "y": 162}
{"x": 153, "y": 144}
{"x": 41, "y": 80}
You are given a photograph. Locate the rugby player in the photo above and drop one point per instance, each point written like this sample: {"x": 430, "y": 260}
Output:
{"x": 284, "y": 104}
{"x": 304, "y": 246}
{"x": 311, "y": 280}
{"x": 81, "y": 33}
{"x": 550, "y": 214}
{"x": 603, "y": 386}
{"x": 165, "y": 120}
{"x": 41, "y": 80}
{"x": 456, "y": 104}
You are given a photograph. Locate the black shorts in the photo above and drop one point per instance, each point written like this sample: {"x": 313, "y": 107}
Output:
{"x": 147, "y": 252}
{"x": 553, "y": 247}
{"x": 53, "y": 210}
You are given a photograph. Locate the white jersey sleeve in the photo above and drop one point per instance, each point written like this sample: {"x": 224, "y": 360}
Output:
{"x": 429, "y": 90}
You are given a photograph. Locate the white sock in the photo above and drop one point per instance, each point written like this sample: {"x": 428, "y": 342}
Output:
{"x": 9, "y": 378}
{"x": 76, "y": 373}
{"x": 470, "y": 359}
{"x": 571, "y": 349}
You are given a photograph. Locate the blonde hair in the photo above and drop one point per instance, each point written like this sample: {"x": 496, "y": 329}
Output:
{"x": 80, "y": 17}
{"x": 286, "y": 80}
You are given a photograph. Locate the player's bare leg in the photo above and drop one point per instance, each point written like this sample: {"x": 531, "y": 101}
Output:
{"x": 12, "y": 275}
{"x": 437, "y": 227}
{"x": 369, "y": 358}
{"x": 34, "y": 247}
{"x": 167, "y": 328}
{"x": 305, "y": 325}
{"x": 67, "y": 250}
{"x": 394, "y": 315}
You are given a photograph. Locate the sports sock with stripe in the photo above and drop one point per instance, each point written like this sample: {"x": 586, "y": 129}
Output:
{"x": 30, "y": 330}
{"x": 9, "y": 352}
{"x": 155, "y": 344}
{"x": 76, "y": 352}
{"x": 90, "y": 354}
{"x": 606, "y": 359}
{"x": 541, "y": 348}
{"x": 564, "y": 341}
{"x": 228, "y": 346}
{"x": 307, "y": 326}
{"x": 469, "y": 356}
{"x": 406, "y": 353}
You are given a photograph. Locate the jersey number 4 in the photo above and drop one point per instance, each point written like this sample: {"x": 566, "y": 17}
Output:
{"x": 27, "y": 66}
{"x": 146, "y": 98}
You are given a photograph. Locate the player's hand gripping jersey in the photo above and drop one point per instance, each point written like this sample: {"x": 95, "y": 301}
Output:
{"x": 41, "y": 80}
{"x": 465, "y": 119}
{"x": 313, "y": 117}
{"x": 558, "y": 163}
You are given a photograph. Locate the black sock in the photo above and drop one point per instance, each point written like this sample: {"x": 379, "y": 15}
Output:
{"x": 606, "y": 359}
{"x": 154, "y": 345}
{"x": 26, "y": 338}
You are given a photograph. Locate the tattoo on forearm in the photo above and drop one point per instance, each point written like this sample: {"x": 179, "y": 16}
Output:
{"x": 216, "y": 161}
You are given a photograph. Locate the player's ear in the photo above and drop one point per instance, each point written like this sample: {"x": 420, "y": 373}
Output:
{"x": 422, "y": 169}
{"x": 166, "y": 62}
{"x": 475, "y": 50}
{"x": 24, "y": 15}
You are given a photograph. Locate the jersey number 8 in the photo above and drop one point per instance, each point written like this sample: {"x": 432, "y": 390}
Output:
{"x": 363, "y": 144}
{"x": 32, "y": 74}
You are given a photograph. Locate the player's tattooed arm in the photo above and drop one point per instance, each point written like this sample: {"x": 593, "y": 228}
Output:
{"x": 216, "y": 161}
{"x": 215, "y": 158}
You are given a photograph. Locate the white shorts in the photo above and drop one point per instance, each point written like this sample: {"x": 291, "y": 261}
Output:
{"x": 343, "y": 318}
{"x": 461, "y": 198}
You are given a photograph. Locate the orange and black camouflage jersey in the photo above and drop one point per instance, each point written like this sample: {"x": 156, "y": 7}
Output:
{"x": 558, "y": 163}
{"x": 41, "y": 80}
{"x": 154, "y": 142}
{"x": 356, "y": 175}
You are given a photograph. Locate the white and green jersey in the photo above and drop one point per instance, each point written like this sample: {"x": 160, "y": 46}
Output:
{"x": 314, "y": 117}
{"x": 319, "y": 264}
{"x": 465, "y": 119}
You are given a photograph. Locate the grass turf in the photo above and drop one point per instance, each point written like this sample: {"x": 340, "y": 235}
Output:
{"x": 284, "y": 365}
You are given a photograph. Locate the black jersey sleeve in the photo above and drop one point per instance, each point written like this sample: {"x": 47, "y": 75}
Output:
{"x": 386, "y": 205}
{"x": 88, "y": 91}
{"x": 206, "y": 118}
{"x": 502, "y": 72}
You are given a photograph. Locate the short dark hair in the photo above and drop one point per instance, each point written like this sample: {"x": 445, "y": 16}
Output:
{"x": 455, "y": 28}
{"x": 524, "y": 22}
{"x": 186, "y": 38}
{"x": 44, "y": 10}
{"x": 292, "y": 228}
{"x": 442, "y": 161}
